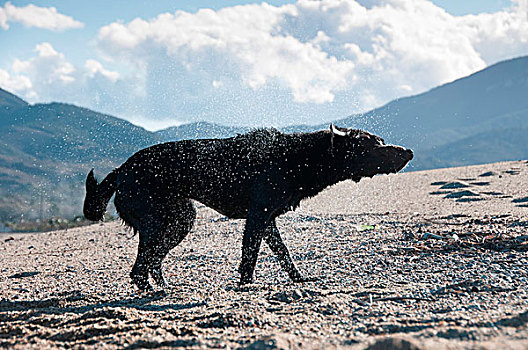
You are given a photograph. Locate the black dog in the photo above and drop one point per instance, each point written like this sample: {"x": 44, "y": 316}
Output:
{"x": 256, "y": 176}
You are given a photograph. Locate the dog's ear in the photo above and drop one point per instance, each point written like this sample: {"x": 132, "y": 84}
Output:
{"x": 338, "y": 131}
{"x": 91, "y": 182}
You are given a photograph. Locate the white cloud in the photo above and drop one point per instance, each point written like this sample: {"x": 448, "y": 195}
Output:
{"x": 49, "y": 76}
{"x": 499, "y": 35}
{"x": 94, "y": 67}
{"x": 242, "y": 35}
{"x": 36, "y": 16}
{"x": 154, "y": 124}
{"x": 342, "y": 54}
{"x": 17, "y": 83}
{"x": 48, "y": 70}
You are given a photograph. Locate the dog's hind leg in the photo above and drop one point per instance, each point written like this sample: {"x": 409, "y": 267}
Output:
{"x": 180, "y": 219}
{"x": 274, "y": 241}
{"x": 146, "y": 219}
{"x": 151, "y": 230}
{"x": 139, "y": 273}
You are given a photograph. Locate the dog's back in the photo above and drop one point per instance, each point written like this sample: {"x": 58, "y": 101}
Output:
{"x": 217, "y": 172}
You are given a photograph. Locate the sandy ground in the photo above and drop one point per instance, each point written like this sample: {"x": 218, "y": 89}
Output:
{"x": 423, "y": 260}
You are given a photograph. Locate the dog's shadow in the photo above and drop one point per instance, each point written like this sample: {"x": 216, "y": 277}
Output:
{"x": 63, "y": 304}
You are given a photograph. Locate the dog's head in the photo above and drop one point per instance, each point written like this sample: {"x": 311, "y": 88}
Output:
{"x": 363, "y": 154}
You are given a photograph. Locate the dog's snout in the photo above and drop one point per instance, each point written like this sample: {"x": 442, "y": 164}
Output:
{"x": 409, "y": 154}
{"x": 404, "y": 153}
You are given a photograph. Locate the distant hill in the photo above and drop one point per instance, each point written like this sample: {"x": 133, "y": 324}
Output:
{"x": 9, "y": 101}
{"x": 485, "y": 147}
{"x": 47, "y": 149}
{"x": 484, "y": 103}
{"x": 202, "y": 130}
{"x": 199, "y": 130}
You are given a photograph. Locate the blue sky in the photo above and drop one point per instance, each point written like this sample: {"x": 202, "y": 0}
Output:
{"x": 161, "y": 63}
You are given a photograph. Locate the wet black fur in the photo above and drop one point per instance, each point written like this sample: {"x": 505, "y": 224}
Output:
{"x": 256, "y": 176}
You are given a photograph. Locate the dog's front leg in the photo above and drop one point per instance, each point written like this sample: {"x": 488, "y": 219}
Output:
{"x": 274, "y": 241}
{"x": 254, "y": 232}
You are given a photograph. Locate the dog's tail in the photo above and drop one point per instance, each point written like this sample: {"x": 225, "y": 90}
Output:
{"x": 98, "y": 195}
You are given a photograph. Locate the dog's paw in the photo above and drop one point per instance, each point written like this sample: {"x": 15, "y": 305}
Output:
{"x": 162, "y": 284}
{"x": 146, "y": 289}
{"x": 158, "y": 278}
{"x": 159, "y": 294}
{"x": 246, "y": 277}
{"x": 245, "y": 281}
{"x": 248, "y": 287}
{"x": 302, "y": 279}
{"x": 143, "y": 285}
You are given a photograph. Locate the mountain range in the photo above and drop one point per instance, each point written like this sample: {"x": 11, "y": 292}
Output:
{"x": 47, "y": 149}
{"x": 477, "y": 119}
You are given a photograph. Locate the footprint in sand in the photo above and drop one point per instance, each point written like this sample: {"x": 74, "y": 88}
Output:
{"x": 454, "y": 185}
{"x": 447, "y": 187}
{"x": 460, "y": 194}
{"x": 469, "y": 199}
{"x": 520, "y": 200}
{"x": 488, "y": 173}
{"x": 480, "y": 183}
{"x": 458, "y": 189}
{"x": 439, "y": 192}
{"x": 493, "y": 193}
